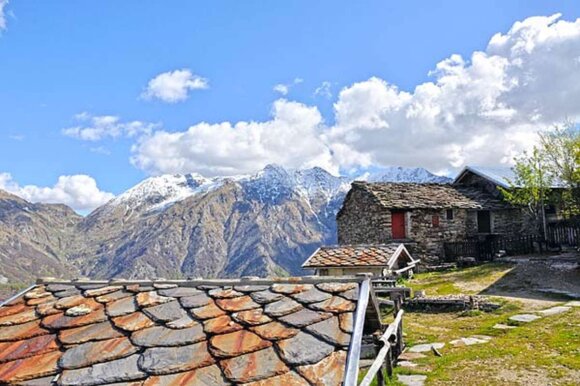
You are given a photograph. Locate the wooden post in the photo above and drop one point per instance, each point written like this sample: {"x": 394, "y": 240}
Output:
{"x": 389, "y": 363}
{"x": 380, "y": 375}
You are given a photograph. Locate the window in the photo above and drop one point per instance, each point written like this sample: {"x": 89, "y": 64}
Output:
{"x": 323, "y": 272}
{"x": 435, "y": 221}
{"x": 449, "y": 214}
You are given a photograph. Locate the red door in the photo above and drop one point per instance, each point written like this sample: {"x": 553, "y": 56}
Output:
{"x": 398, "y": 225}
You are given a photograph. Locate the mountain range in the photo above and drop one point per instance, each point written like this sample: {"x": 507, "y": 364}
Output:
{"x": 176, "y": 226}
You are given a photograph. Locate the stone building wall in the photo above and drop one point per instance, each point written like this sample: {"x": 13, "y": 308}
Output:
{"x": 362, "y": 220}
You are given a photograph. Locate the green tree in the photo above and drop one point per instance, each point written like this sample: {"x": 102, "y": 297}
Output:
{"x": 531, "y": 186}
{"x": 561, "y": 147}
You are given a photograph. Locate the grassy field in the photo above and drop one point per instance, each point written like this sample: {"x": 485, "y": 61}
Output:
{"x": 543, "y": 352}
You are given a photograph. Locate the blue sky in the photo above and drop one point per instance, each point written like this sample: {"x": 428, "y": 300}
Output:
{"x": 60, "y": 59}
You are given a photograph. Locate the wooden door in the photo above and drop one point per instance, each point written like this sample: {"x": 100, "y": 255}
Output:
{"x": 483, "y": 221}
{"x": 398, "y": 225}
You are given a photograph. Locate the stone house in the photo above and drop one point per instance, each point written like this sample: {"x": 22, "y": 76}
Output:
{"x": 423, "y": 216}
{"x": 378, "y": 259}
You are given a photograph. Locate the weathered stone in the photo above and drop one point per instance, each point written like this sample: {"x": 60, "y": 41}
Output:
{"x": 166, "y": 312}
{"x": 407, "y": 364}
{"x": 137, "y": 288}
{"x": 164, "y": 285}
{"x": 426, "y": 347}
{"x": 38, "y": 381}
{"x": 282, "y": 307}
{"x": 166, "y": 360}
{"x": 29, "y": 368}
{"x": 290, "y": 378}
{"x": 264, "y": 297}
{"x": 304, "y": 349}
{"x": 119, "y": 370}
{"x": 351, "y": 294}
{"x": 195, "y": 301}
{"x": 221, "y": 325}
{"x": 210, "y": 375}
{"x": 133, "y": 322}
{"x": 89, "y": 353}
{"x": 554, "y": 311}
{"x": 207, "y": 312}
{"x": 102, "y": 291}
{"x": 304, "y": 317}
{"x": 37, "y": 301}
{"x": 275, "y": 331}
{"x": 22, "y": 317}
{"x": 346, "y": 321}
{"x": 16, "y": 309}
{"x": 325, "y": 372}
{"x": 10, "y": 351}
{"x": 289, "y": 289}
{"x": 70, "y": 301}
{"x": 36, "y": 293}
{"x": 412, "y": 380}
{"x": 224, "y": 293}
{"x": 22, "y": 331}
{"x": 330, "y": 331}
{"x": 151, "y": 298}
{"x": 163, "y": 336}
{"x": 500, "y": 326}
{"x": 237, "y": 343}
{"x": 469, "y": 341}
{"x": 524, "y": 318}
{"x": 58, "y": 321}
{"x": 311, "y": 296}
{"x": 411, "y": 356}
{"x": 252, "y": 317}
{"x": 250, "y": 288}
{"x": 60, "y": 287}
{"x": 46, "y": 309}
{"x": 255, "y": 366}
{"x": 78, "y": 310}
{"x": 121, "y": 307}
{"x": 179, "y": 292}
{"x": 92, "y": 332}
{"x": 67, "y": 293}
{"x": 335, "y": 304}
{"x": 573, "y": 303}
{"x": 241, "y": 303}
{"x": 336, "y": 287}
{"x": 180, "y": 323}
{"x": 111, "y": 297}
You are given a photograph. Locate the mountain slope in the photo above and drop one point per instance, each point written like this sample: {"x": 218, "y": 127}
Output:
{"x": 184, "y": 225}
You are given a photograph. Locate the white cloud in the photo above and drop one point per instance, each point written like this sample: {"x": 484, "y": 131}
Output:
{"x": 96, "y": 128}
{"x": 80, "y": 191}
{"x": 3, "y": 4}
{"x": 290, "y": 138}
{"x": 324, "y": 90}
{"x": 284, "y": 88}
{"x": 479, "y": 110}
{"x": 174, "y": 86}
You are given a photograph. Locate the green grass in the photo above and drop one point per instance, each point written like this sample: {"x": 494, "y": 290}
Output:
{"x": 546, "y": 351}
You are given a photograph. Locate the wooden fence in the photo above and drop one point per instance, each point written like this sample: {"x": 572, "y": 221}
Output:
{"x": 485, "y": 250}
{"x": 390, "y": 346}
{"x": 564, "y": 233}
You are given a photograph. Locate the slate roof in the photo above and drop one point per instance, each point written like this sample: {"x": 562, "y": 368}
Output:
{"x": 403, "y": 195}
{"x": 371, "y": 255}
{"x": 295, "y": 331}
{"x": 501, "y": 176}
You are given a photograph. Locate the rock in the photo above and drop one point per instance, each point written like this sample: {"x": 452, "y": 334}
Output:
{"x": 410, "y": 356}
{"x": 304, "y": 349}
{"x": 275, "y": 331}
{"x": 120, "y": 370}
{"x": 406, "y": 364}
{"x": 155, "y": 336}
{"x": 92, "y": 332}
{"x": 78, "y": 310}
{"x": 237, "y": 343}
{"x": 237, "y": 304}
{"x": 10, "y": 351}
{"x": 195, "y": 301}
{"x": 469, "y": 341}
{"x": 330, "y": 331}
{"x": 166, "y": 312}
{"x": 412, "y": 380}
{"x": 254, "y": 366}
{"x": 166, "y": 360}
{"x": 304, "y": 317}
{"x": 335, "y": 304}
{"x": 313, "y": 295}
{"x": 282, "y": 307}
{"x": 221, "y": 325}
{"x": 500, "y": 326}
{"x": 133, "y": 322}
{"x": 554, "y": 311}
{"x": 121, "y": 307}
{"x": 264, "y": 297}
{"x": 524, "y": 318}
{"x": 426, "y": 347}
{"x": 33, "y": 367}
{"x": 87, "y": 354}
{"x": 324, "y": 372}
{"x": 573, "y": 303}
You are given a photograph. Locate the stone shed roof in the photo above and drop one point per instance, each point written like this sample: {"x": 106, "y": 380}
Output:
{"x": 429, "y": 196}
{"x": 369, "y": 255}
{"x": 295, "y": 331}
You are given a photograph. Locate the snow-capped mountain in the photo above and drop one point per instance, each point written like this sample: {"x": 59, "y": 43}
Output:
{"x": 401, "y": 174}
{"x": 176, "y": 226}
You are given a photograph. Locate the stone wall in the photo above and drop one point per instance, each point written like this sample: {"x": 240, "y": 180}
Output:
{"x": 362, "y": 220}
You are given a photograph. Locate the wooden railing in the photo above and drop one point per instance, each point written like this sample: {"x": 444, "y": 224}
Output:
{"x": 390, "y": 346}
{"x": 485, "y": 250}
{"x": 564, "y": 233}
